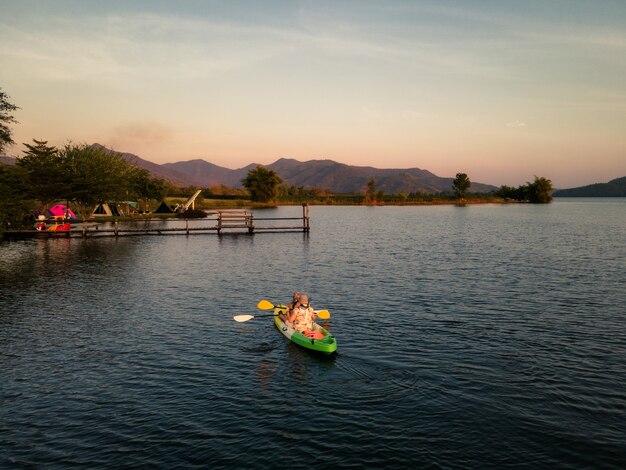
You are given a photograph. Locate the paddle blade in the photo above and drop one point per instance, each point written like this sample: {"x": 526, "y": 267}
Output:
{"x": 243, "y": 318}
{"x": 265, "y": 305}
{"x": 323, "y": 314}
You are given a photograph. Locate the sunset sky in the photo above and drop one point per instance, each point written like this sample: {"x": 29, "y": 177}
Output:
{"x": 502, "y": 90}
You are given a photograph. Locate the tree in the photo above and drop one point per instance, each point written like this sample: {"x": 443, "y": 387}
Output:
{"x": 145, "y": 187}
{"x": 95, "y": 176}
{"x": 15, "y": 207}
{"x": 460, "y": 185}
{"x": 509, "y": 192}
{"x": 262, "y": 183}
{"x": 46, "y": 174}
{"x": 380, "y": 195}
{"x": 370, "y": 192}
{"x": 539, "y": 191}
{"x": 6, "y": 118}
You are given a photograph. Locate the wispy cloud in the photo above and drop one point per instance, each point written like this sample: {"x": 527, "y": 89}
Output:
{"x": 139, "y": 47}
{"x": 144, "y": 133}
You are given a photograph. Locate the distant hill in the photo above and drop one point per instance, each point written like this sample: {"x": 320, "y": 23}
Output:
{"x": 614, "y": 188}
{"x": 7, "y": 160}
{"x": 157, "y": 171}
{"x": 325, "y": 174}
{"x": 202, "y": 173}
{"x": 342, "y": 178}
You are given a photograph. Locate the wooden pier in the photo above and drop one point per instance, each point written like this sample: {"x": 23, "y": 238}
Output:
{"x": 230, "y": 221}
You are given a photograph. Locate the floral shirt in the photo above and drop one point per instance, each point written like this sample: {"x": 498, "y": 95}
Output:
{"x": 304, "y": 319}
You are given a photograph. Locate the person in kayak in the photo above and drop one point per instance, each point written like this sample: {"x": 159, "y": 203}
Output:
{"x": 300, "y": 314}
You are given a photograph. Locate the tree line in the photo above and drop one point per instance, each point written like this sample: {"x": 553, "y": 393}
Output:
{"x": 83, "y": 175}
{"x": 264, "y": 185}
{"x": 537, "y": 192}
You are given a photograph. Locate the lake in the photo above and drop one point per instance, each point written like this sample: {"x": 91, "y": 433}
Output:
{"x": 468, "y": 337}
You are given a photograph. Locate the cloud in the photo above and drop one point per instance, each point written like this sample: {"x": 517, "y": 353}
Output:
{"x": 117, "y": 48}
{"x": 141, "y": 135}
{"x": 516, "y": 124}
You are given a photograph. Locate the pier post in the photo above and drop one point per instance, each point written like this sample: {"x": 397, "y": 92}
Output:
{"x": 305, "y": 218}
{"x": 250, "y": 223}
{"x": 187, "y": 226}
{"x": 116, "y": 229}
{"x": 219, "y": 223}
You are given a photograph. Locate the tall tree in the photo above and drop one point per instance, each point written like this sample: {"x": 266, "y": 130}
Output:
{"x": 96, "y": 175}
{"x": 46, "y": 173}
{"x": 6, "y": 118}
{"x": 460, "y": 185}
{"x": 144, "y": 187}
{"x": 539, "y": 191}
{"x": 370, "y": 191}
{"x": 262, "y": 183}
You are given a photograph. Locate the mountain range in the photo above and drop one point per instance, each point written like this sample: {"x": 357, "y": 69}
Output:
{"x": 335, "y": 176}
{"x": 327, "y": 174}
{"x": 614, "y": 188}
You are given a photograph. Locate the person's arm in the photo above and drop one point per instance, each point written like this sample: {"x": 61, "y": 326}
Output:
{"x": 291, "y": 312}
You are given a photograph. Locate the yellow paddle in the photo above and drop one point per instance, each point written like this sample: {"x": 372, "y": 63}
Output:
{"x": 267, "y": 305}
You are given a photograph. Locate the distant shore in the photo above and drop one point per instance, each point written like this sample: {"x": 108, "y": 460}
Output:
{"x": 217, "y": 204}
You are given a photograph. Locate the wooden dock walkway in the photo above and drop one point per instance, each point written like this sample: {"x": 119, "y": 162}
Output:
{"x": 231, "y": 221}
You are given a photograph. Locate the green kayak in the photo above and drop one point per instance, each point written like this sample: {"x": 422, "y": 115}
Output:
{"x": 326, "y": 345}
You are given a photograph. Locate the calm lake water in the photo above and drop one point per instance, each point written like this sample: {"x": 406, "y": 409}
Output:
{"x": 469, "y": 337}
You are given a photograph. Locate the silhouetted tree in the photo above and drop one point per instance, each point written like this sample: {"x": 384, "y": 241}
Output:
{"x": 144, "y": 187}
{"x": 539, "y": 191}
{"x": 262, "y": 184}
{"x": 95, "y": 175}
{"x": 370, "y": 192}
{"x": 15, "y": 207}
{"x": 460, "y": 185}
{"x": 47, "y": 176}
{"x": 6, "y": 118}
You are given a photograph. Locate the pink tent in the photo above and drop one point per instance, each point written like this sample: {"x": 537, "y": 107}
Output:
{"x": 61, "y": 210}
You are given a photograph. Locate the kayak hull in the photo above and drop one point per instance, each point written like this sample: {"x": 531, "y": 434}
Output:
{"x": 327, "y": 345}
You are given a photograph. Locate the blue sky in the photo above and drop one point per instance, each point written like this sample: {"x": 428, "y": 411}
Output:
{"x": 501, "y": 90}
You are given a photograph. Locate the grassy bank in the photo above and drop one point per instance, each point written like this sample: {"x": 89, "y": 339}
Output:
{"x": 337, "y": 200}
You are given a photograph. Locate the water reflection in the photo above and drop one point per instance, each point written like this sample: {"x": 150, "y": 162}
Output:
{"x": 265, "y": 371}
{"x": 42, "y": 267}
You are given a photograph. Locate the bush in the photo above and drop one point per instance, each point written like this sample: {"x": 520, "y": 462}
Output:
{"x": 192, "y": 214}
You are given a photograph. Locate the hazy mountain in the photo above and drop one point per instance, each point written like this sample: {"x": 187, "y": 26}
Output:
{"x": 342, "y": 178}
{"x": 7, "y": 160}
{"x": 202, "y": 173}
{"x": 158, "y": 171}
{"x": 326, "y": 174}
{"x": 614, "y": 188}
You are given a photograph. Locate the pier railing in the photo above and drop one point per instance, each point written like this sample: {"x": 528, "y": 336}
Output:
{"x": 224, "y": 221}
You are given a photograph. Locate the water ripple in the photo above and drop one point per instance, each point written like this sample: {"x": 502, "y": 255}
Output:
{"x": 478, "y": 337}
